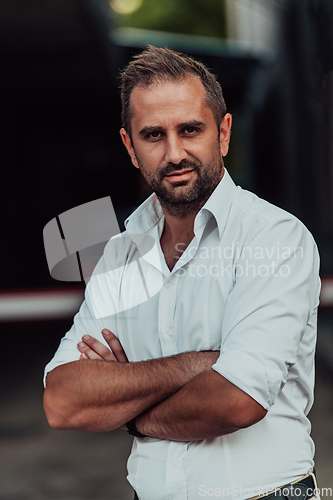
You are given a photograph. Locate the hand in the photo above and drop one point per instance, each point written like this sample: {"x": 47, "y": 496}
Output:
{"x": 90, "y": 348}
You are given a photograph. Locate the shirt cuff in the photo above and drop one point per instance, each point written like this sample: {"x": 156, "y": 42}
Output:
{"x": 251, "y": 376}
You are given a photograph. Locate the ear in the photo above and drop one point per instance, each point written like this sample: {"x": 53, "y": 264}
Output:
{"x": 129, "y": 146}
{"x": 225, "y": 131}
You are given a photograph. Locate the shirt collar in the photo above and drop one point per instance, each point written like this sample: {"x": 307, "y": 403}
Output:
{"x": 219, "y": 203}
{"x": 149, "y": 213}
{"x": 145, "y": 217}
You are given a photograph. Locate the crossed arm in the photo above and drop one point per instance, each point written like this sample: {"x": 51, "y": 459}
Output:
{"x": 179, "y": 398}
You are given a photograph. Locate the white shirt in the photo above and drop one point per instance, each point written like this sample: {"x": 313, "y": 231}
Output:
{"x": 248, "y": 285}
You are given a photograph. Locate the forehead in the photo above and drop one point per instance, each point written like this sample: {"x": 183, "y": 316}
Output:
{"x": 162, "y": 102}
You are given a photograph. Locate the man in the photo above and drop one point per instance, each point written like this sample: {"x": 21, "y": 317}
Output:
{"x": 213, "y": 370}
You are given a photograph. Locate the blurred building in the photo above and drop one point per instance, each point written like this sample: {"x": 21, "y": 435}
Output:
{"x": 60, "y": 107}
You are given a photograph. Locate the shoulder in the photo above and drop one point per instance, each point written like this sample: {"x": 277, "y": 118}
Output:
{"x": 255, "y": 208}
{"x": 258, "y": 219}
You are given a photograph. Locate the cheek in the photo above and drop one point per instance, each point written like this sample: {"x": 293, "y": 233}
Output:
{"x": 151, "y": 157}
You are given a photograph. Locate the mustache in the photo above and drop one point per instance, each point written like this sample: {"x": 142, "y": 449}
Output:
{"x": 184, "y": 164}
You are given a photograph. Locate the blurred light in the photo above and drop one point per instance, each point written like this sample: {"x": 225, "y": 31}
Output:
{"x": 34, "y": 305}
{"x": 125, "y": 6}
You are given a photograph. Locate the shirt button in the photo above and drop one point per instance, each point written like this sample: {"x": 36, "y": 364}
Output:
{"x": 174, "y": 464}
{"x": 167, "y": 330}
{"x": 168, "y": 285}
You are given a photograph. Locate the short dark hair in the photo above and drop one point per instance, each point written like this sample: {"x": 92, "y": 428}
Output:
{"x": 156, "y": 64}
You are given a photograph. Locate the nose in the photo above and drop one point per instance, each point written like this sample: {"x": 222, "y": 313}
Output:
{"x": 175, "y": 152}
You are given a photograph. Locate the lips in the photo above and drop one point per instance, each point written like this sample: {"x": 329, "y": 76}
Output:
{"x": 180, "y": 175}
{"x": 180, "y": 172}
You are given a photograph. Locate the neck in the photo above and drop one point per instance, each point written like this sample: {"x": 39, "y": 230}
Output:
{"x": 177, "y": 235}
{"x": 177, "y": 227}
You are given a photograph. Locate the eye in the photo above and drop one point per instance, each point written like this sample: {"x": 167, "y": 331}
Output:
{"x": 155, "y": 134}
{"x": 191, "y": 130}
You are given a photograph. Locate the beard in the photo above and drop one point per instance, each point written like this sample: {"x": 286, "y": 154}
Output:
{"x": 185, "y": 197}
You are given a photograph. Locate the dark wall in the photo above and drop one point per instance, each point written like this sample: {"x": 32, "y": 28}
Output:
{"x": 60, "y": 145}
{"x": 60, "y": 109}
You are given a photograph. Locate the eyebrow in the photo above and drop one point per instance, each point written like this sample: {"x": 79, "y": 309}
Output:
{"x": 192, "y": 123}
{"x": 150, "y": 129}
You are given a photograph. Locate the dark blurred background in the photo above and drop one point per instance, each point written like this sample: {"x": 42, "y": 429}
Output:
{"x": 60, "y": 148}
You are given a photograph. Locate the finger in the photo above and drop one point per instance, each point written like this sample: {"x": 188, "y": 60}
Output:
{"x": 95, "y": 349}
{"x": 115, "y": 345}
{"x": 87, "y": 352}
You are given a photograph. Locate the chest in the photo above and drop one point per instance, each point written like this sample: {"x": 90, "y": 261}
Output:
{"x": 185, "y": 313}
{"x": 173, "y": 250}
{"x": 171, "y": 256}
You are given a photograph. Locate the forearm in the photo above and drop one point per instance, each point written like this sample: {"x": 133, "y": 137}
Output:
{"x": 101, "y": 395}
{"x": 208, "y": 406}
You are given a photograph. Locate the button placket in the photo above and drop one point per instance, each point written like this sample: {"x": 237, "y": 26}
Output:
{"x": 167, "y": 304}
{"x": 176, "y": 487}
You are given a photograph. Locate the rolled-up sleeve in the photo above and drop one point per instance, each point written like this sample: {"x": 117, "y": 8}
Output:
{"x": 275, "y": 293}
